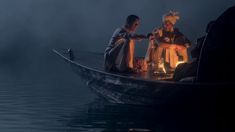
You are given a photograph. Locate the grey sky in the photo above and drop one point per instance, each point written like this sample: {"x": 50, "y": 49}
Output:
{"x": 34, "y": 26}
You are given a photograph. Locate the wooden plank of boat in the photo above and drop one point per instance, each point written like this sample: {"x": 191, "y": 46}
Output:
{"x": 129, "y": 89}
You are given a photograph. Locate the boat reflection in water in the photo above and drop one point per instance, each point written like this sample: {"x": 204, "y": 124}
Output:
{"x": 108, "y": 117}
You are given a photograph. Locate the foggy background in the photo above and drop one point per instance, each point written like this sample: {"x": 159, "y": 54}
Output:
{"x": 29, "y": 29}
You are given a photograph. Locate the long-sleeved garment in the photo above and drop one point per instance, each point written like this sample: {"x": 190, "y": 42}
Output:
{"x": 119, "y": 54}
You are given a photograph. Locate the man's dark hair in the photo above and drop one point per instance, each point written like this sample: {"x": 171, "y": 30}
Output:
{"x": 130, "y": 20}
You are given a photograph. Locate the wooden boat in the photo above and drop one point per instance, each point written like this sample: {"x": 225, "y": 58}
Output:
{"x": 139, "y": 89}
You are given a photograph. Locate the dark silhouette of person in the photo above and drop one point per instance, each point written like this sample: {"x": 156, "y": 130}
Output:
{"x": 195, "y": 52}
{"x": 217, "y": 53}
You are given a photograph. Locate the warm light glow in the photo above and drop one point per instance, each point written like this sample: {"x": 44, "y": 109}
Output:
{"x": 179, "y": 62}
{"x": 162, "y": 67}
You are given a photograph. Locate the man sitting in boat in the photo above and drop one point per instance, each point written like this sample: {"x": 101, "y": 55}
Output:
{"x": 170, "y": 40}
{"x": 119, "y": 54}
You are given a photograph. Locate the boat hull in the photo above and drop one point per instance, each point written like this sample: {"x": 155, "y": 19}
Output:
{"x": 123, "y": 89}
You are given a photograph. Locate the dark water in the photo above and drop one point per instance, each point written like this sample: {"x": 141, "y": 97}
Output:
{"x": 52, "y": 98}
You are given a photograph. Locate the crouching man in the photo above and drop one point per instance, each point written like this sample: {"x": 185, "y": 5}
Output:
{"x": 119, "y": 54}
{"x": 171, "y": 43}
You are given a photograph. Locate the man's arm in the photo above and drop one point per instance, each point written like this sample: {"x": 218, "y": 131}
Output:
{"x": 158, "y": 35}
{"x": 138, "y": 37}
{"x": 122, "y": 34}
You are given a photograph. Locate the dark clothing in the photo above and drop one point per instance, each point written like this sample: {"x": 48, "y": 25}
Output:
{"x": 176, "y": 37}
{"x": 195, "y": 52}
{"x": 186, "y": 70}
{"x": 215, "y": 62}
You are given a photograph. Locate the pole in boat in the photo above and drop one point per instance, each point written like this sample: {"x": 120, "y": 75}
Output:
{"x": 70, "y": 52}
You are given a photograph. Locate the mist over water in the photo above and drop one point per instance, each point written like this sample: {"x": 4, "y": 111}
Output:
{"x": 38, "y": 91}
{"x": 29, "y": 29}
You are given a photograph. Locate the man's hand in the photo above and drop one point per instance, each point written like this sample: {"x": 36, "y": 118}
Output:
{"x": 151, "y": 38}
{"x": 166, "y": 39}
{"x": 158, "y": 32}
